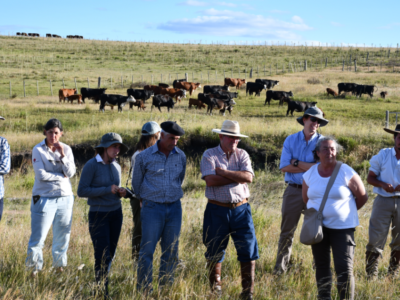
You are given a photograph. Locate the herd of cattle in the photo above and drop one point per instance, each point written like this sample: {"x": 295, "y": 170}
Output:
{"x": 355, "y": 89}
{"x": 213, "y": 96}
{"x": 49, "y": 35}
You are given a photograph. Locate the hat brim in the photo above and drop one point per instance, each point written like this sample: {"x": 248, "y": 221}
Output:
{"x": 322, "y": 124}
{"x": 230, "y": 134}
{"x": 2, "y": 118}
{"x": 123, "y": 150}
{"x": 391, "y": 131}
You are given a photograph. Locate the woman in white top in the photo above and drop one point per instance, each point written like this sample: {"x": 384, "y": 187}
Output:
{"x": 150, "y": 135}
{"x": 340, "y": 218}
{"x": 52, "y": 198}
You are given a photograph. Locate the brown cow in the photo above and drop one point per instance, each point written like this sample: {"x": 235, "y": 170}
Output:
{"x": 383, "y": 94}
{"x": 74, "y": 97}
{"x": 237, "y": 82}
{"x": 331, "y": 92}
{"x": 197, "y": 103}
{"x": 139, "y": 104}
{"x": 64, "y": 93}
{"x": 173, "y": 93}
{"x": 163, "y": 85}
{"x": 188, "y": 86}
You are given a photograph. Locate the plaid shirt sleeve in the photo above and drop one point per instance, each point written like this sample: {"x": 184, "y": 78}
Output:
{"x": 207, "y": 165}
{"x": 245, "y": 163}
{"x": 5, "y": 161}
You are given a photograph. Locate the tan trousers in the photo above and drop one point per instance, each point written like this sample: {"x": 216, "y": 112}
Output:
{"x": 292, "y": 207}
{"x": 385, "y": 212}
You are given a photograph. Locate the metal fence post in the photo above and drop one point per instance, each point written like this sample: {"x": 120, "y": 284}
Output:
{"x": 98, "y": 82}
{"x": 51, "y": 88}
{"x": 75, "y": 83}
{"x": 24, "y": 89}
{"x": 37, "y": 87}
{"x": 387, "y": 119}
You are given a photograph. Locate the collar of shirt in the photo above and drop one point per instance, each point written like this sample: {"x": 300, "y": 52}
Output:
{"x": 155, "y": 149}
{"x": 222, "y": 151}
{"x": 99, "y": 159}
{"x": 394, "y": 152}
{"x": 55, "y": 155}
{"x": 303, "y": 138}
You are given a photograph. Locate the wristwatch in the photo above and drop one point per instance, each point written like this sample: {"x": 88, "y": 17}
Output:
{"x": 296, "y": 163}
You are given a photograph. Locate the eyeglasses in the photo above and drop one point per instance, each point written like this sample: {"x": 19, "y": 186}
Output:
{"x": 314, "y": 119}
{"x": 233, "y": 138}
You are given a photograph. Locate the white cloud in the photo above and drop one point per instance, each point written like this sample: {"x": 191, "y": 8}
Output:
{"x": 336, "y": 24}
{"x": 235, "y": 23}
{"x": 193, "y": 3}
{"x": 227, "y": 4}
{"x": 297, "y": 19}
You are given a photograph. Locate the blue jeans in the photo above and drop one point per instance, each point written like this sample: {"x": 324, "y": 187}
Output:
{"x": 159, "y": 221}
{"x": 220, "y": 223}
{"x": 104, "y": 229}
{"x": 48, "y": 211}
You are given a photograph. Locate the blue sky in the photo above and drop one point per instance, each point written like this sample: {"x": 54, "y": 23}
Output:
{"x": 205, "y": 21}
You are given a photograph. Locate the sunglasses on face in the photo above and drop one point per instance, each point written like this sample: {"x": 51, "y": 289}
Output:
{"x": 314, "y": 119}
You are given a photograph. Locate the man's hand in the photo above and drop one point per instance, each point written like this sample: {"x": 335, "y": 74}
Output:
{"x": 59, "y": 148}
{"x": 292, "y": 161}
{"x": 388, "y": 187}
{"x": 114, "y": 189}
{"x": 220, "y": 172}
{"x": 122, "y": 192}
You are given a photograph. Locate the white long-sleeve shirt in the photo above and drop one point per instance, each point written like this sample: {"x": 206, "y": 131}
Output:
{"x": 52, "y": 173}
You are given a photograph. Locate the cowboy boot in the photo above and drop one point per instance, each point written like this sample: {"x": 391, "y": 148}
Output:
{"x": 371, "y": 264}
{"x": 214, "y": 276}
{"x": 394, "y": 264}
{"x": 247, "y": 270}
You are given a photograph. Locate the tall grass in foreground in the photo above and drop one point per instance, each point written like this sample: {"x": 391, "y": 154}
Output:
{"x": 191, "y": 277}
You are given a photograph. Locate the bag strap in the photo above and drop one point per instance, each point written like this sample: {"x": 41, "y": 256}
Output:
{"x": 329, "y": 186}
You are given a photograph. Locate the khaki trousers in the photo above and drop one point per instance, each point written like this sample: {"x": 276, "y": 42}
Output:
{"x": 292, "y": 207}
{"x": 385, "y": 212}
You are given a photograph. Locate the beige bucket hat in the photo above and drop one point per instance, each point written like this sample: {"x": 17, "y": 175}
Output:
{"x": 231, "y": 128}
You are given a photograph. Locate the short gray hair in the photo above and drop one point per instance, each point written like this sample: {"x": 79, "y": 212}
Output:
{"x": 338, "y": 147}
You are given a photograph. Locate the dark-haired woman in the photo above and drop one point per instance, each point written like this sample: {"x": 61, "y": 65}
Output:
{"x": 150, "y": 135}
{"x": 52, "y": 198}
{"x": 100, "y": 183}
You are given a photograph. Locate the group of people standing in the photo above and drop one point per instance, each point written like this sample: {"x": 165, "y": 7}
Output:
{"x": 158, "y": 170}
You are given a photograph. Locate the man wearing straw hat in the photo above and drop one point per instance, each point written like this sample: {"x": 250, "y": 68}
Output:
{"x": 5, "y": 164}
{"x": 296, "y": 158}
{"x": 384, "y": 175}
{"x": 226, "y": 171}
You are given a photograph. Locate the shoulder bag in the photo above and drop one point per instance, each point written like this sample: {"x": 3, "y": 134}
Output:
{"x": 311, "y": 232}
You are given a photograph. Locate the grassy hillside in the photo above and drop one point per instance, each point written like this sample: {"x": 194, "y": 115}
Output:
{"x": 357, "y": 123}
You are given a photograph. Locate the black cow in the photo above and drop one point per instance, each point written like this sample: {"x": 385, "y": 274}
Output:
{"x": 115, "y": 100}
{"x": 178, "y": 80}
{"x": 211, "y": 89}
{"x": 221, "y": 104}
{"x": 277, "y": 95}
{"x": 162, "y": 100}
{"x": 365, "y": 89}
{"x": 253, "y": 87}
{"x": 139, "y": 94}
{"x": 92, "y": 94}
{"x": 228, "y": 94}
{"x": 347, "y": 87}
{"x": 269, "y": 83}
{"x": 298, "y": 106}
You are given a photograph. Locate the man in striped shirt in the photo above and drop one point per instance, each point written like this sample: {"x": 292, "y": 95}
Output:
{"x": 5, "y": 164}
{"x": 226, "y": 171}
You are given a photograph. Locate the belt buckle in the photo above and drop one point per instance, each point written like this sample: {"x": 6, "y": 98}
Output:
{"x": 232, "y": 205}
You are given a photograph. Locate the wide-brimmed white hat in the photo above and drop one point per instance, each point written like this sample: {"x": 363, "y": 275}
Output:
{"x": 231, "y": 128}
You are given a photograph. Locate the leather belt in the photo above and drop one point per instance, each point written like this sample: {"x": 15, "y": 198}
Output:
{"x": 297, "y": 186}
{"x": 394, "y": 196}
{"x": 229, "y": 205}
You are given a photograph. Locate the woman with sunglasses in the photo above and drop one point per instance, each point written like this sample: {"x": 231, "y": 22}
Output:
{"x": 297, "y": 157}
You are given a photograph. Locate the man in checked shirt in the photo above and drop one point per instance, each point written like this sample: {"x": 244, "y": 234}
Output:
{"x": 5, "y": 164}
{"x": 226, "y": 171}
{"x": 157, "y": 182}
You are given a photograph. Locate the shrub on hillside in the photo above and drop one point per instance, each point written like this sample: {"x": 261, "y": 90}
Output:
{"x": 313, "y": 80}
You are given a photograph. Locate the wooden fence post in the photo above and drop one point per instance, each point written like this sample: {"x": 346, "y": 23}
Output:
{"x": 276, "y": 68}
{"x": 208, "y": 81}
{"x": 142, "y": 79}
{"x": 122, "y": 83}
{"x": 51, "y": 88}
{"x": 387, "y": 119}
{"x": 10, "y": 90}
{"x": 245, "y": 73}
{"x": 132, "y": 79}
{"x": 326, "y": 62}
{"x": 343, "y": 65}
{"x": 231, "y": 73}
{"x": 63, "y": 83}
{"x": 270, "y": 70}
{"x": 75, "y": 83}
{"x": 186, "y": 77}
{"x": 169, "y": 76}
{"x": 192, "y": 76}
{"x": 264, "y": 70}
{"x": 251, "y": 73}
{"x": 161, "y": 78}
{"x": 224, "y": 74}
{"x": 24, "y": 88}
{"x": 216, "y": 80}
{"x": 88, "y": 85}
{"x": 305, "y": 65}
{"x": 355, "y": 65}
{"x": 98, "y": 82}
{"x": 37, "y": 87}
